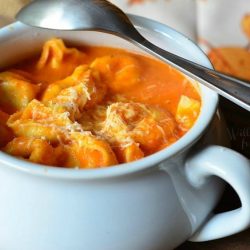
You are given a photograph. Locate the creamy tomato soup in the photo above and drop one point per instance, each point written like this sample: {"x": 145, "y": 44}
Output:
{"x": 91, "y": 107}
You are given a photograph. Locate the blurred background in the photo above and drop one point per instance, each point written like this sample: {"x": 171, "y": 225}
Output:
{"x": 222, "y": 29}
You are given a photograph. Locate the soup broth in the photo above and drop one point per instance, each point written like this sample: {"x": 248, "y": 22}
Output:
{"x": 91, "y": 107}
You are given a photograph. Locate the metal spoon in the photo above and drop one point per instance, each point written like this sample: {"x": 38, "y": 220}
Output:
{"x": 101, "y": 15}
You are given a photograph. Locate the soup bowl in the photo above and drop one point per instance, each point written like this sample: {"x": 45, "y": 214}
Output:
{"x": 153, "y": 203}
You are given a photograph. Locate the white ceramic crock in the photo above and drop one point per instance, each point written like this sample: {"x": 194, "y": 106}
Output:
{"x": 151, "y": 204}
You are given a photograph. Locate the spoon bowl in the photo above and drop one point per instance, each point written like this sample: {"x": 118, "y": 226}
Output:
{"x": 101, "y": 15}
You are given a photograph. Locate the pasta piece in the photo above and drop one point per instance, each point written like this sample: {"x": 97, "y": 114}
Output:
{"x": 119, "y": 72}
{"x": 150, "y": 135}
{"x": 123, "y": 117}
{"x": 35, "y": 150}
{"x": 15, "y": 91}
{"x": 128, "y": 153}
{"x": 26, "y": 76}
{"x": 57, "y": 61}
{"x": 39, "y": 121}
{"x": 70, "y": 100}
{"x": 92, "y": 119}
{"x": 165, "y": 120}
{"x": 158, "y": 127}
{"x": 128, "y": 123}
{"x": 115, "y": 132}
{"x": 6, "y": 134}
{"x": 115, "y": 127}
{"x": 87, "y": 151}
{"x": 82, "y": 88}
{"x": 53, "y": 90}
{"x": 187, "y": 112}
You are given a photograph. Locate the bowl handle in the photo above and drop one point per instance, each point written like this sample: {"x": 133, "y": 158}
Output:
{"x": 234, "y": 169}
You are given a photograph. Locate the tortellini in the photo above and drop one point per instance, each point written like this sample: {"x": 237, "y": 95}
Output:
{"x": 187, "y": 111}
{"x": 72, "y": 108}
{"x": 56, "y": 61}
{"x": 15, "y": 91}
{"x": 118, "y": 72}
{"x": 35, "y": 150}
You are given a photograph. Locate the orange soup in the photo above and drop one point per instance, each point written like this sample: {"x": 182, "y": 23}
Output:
{"x": 91, "y": 107}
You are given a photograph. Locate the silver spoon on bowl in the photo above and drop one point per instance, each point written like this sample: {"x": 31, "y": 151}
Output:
{"x": 101, "y": 15}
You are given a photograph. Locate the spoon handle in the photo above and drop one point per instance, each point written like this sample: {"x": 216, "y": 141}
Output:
{"x": 231, "y": 88}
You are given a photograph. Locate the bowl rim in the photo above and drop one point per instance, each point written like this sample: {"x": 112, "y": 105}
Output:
{"x": 209, "y": 106}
